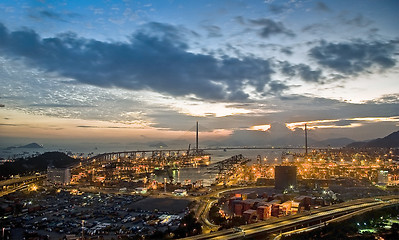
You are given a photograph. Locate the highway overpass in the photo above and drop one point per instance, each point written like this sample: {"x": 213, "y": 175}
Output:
{"x": 303, "y": 220}
{"x": 11, "y": 185}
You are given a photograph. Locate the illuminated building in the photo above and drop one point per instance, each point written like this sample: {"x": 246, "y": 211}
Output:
{"x": 264, "y": 212}
{"x": 59, "y": 175}
{"x": 382, "y": 177}
{"x": 180, "y": 192}
{"x": 393, "y": 179}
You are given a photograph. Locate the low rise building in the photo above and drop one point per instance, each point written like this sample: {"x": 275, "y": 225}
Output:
{"x": 264, "y": 212}
{"x": 250, "y": 215}
{"x": 180, "y": 192}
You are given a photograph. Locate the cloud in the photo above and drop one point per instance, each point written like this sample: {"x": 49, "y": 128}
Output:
{"x": 358, "y": 21}
{"x": 240, "y": 20}
{"x": 277, "y": 9}
{"x": 287, "y": 50}
{"x": 354, "y": 57}
{"x": 263, "y": 128}
{"x": 277, "y": 87}
{"x": 322, "y": 7}
{"x": 156, "y": 58}
{"x": 387, "y": 98}
{"x": 307, "y": 74}
{"x": 287, "y": 69}
{"x": 340, "y": 123}
{"x": 55, "y": 105}
{"x": 49, "y": 14}
{"x": 213, "y": 31}
{"x": 302, "y": 70}
{"x": 344, "y": 122}
{"x": 8, "y": 124}
{"x": 316, "y": 28}
{"x": 52, "y": 15}
{"x": 88, "y": 126}
{"x": 270, "y": 27}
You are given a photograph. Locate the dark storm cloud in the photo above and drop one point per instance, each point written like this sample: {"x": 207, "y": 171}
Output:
{"x": 238, "y": 96}
{"x": 156, "y": 58}
{"x": 302, "y": 70}
{"x": 354, "y": 57}
{"x": 309, "y": 75}
{"x": 277, "y": 86}
{"x": 287, "y": 69}
{"x": 270, "y": 27}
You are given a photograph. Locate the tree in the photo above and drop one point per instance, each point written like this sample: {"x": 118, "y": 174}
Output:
{"x": 189, "y": 226}
{"x": 215, "y": 216}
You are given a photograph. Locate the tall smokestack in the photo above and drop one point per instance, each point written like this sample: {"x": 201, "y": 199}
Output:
{"x": 196, "y": 139}
{"x": 306, "y": 140}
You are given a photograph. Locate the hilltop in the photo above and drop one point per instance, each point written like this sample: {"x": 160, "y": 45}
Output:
{"x": 390, "y": 141}
{"x": 36, "y": 164}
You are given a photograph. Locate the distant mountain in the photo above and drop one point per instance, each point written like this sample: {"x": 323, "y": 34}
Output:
{"x": 356, "y": 145}
{"x": 30, "y": 145}
{"x": 390, "y": 141}
{"x": 38, "y": 163}
{"x": 333, "y": 142}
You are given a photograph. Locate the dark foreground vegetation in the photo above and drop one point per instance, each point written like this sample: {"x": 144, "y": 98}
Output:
{"x": 28, "y": 166}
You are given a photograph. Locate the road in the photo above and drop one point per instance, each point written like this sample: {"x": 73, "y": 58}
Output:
{"x": 206, "y": 202}
{"x": 301, "y": 220}
{"x": 12, "y": 185}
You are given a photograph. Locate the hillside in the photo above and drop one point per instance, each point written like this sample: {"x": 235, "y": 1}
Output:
{"x": 332, "y": 142}
{"x": 38, "y": 163}
{"x": 390, "y": 141}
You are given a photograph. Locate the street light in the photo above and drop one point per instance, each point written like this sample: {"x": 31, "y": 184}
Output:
{"x": 83, "y": 223}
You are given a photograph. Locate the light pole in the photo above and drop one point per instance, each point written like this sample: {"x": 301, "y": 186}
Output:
{"x": 306, "y": 140}
{"x": 83, "y": 232}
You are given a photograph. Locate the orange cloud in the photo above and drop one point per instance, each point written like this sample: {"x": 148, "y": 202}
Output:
{"x": 333, "y": 123}
{"x": 262, "y": 128}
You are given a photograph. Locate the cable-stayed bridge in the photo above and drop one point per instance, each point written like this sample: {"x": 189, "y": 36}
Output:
{"x": 193, "y": 152}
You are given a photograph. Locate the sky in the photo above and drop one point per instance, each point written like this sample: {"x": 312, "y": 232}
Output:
{"x": 251, "y": 72}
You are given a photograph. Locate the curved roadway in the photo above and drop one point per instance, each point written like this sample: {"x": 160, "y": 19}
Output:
{"x": 290, "y": 222}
